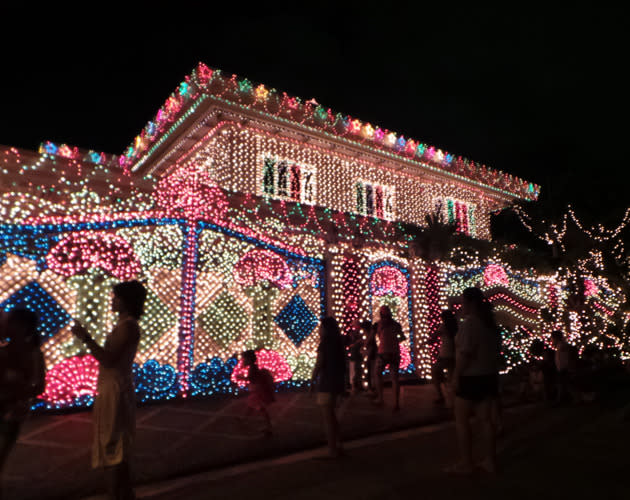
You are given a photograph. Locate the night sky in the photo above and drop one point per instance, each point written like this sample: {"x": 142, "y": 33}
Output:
{"x": 542, "y": 95}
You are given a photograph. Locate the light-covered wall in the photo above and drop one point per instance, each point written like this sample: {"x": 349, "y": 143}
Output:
{"x": 235, "y": 158}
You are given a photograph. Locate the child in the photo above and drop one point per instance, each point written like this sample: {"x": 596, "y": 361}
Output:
{"x": 261, "y": 389}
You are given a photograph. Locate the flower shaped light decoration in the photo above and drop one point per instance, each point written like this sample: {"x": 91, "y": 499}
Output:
{"x": 70, "y": 380}
{"x": 262, "y": 273}
{"x": 92, "y": 262}
{"x": 191, "y": 192}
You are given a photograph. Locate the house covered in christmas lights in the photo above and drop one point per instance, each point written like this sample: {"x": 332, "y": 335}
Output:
{"x": 249, "y": 215}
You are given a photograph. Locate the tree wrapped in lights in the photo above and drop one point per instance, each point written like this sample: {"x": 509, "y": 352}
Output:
{"x": 262, "y": 273}
{"x": 92, "y": 262}
{"x": 574, "y": 255}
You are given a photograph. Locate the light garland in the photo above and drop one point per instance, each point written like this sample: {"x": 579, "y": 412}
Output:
{"x": 195, "y": 88}
{"x": 602, "y": 234}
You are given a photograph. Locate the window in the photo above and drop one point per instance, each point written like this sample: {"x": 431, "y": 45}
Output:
{"x": 287, "y": 180}
{"x": 375, "y": 200}
{"x": 459, "y": 213}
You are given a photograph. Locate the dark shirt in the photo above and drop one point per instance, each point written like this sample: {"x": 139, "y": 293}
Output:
{"x": 371, "y": 346}
{"x": 354, "y": 349}
{"x": 331, "y": 356}
{"x": 22, "y": 377}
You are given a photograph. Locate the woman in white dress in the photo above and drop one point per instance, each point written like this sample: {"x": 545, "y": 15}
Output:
{"x": 114, "y": 405}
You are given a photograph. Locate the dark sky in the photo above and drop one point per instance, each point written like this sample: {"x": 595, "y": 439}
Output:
{"x": 542, "y": 95}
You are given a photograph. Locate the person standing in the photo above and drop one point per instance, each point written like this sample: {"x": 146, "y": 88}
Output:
{"x": 475, "y": 380}
{"x": 442, "y": 369}
{"x": 354, "y": 355}
{"x": 328, "y": 380}
{"x": 561, "y": 360}
{"x": 371, "y": 352}
{"x": 389, "y": 334}
{"x": 22, "y": 376}
{"x": 114, "y": 405}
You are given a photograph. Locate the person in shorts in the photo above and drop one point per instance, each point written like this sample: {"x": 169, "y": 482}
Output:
{"x": 328, "y": 380}
{"x": 475, "y": 380}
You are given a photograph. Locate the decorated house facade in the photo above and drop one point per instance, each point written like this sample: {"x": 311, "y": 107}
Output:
{"x": 249, "y": 215}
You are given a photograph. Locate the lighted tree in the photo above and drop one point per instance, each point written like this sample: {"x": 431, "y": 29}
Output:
{"x": 562, "y": 245}
{"x": 262, "y": 273}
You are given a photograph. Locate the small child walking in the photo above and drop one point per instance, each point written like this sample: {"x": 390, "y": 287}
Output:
{"x": 261, "y": 389}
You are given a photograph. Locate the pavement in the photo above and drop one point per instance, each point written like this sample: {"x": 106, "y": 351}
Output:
{"x": 206, "y": 448}
{"x": 545, "y": 453}
{"x": 52, "y": 457}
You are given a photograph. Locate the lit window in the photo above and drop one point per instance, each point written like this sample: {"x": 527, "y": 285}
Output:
{"x": 375, "y": 200}
{"x": 459, "y": 213}
{"x": 288, "y": 180}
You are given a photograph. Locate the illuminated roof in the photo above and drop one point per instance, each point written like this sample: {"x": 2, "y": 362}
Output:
{"x": 206, "y": 84}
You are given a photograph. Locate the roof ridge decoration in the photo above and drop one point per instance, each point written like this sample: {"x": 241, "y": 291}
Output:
{"x": 75, "y": 153}
{"x": 204, "y": 82}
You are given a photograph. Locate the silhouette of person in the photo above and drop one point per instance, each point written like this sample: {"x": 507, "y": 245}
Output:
{"x": 389, "y": 334}
{"x": 114, "y": 405}
{"x": 329, "y": 380}
{"x": 22, "y": 375}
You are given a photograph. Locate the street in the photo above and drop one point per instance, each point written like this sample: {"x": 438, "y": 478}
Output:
{"x": 577, "y": 452}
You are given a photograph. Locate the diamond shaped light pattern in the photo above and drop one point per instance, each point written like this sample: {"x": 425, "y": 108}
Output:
{"x": 296, "y": 320}
{"x": 224, "y": 320}
{"x": 52, "y": 317}
{"x": 155, "y": 322}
